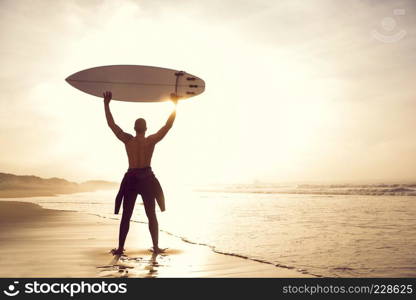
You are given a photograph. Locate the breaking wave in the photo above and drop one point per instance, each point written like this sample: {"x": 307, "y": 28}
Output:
{"x": 320, "y": 189}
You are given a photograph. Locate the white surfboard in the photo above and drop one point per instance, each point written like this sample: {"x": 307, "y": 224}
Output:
{"x": 137, "y": 83}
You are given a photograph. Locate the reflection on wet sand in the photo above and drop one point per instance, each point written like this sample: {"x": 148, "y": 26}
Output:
{"x": 137, "y": 264}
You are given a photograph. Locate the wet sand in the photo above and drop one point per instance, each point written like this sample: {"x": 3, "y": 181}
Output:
{"x": 37, "y": 242}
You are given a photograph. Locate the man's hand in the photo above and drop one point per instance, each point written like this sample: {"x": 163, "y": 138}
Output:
{"x": 107, "y": 97}
{"x": 174, "y": 98}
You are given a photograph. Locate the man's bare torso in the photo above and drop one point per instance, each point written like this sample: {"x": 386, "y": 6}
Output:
{"x": 139, "y": 151}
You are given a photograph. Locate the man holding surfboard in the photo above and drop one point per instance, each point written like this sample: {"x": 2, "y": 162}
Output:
{"x": 139, "y": 178}
{"x": 135, "y": 83}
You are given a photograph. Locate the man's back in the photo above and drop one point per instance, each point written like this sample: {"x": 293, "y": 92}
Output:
{"x": 139, "y": 151}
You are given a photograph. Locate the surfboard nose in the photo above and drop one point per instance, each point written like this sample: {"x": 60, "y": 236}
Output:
{"x": 68, "y": 78}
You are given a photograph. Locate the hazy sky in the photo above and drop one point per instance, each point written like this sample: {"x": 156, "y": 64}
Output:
{"x": 296, "y": 90}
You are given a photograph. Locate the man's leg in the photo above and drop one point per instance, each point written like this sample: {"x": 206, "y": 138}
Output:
{"x": 128, "y": 207}
{"x": 149, "y": 206}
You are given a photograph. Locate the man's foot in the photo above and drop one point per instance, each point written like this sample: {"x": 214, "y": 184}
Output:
{"x": 157, "y": 250}
{"x": 117, "y": 251}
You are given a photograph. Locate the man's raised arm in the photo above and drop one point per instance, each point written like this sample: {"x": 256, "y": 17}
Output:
{"x": 164, "y": 130}
{"x": 120, "y": 134}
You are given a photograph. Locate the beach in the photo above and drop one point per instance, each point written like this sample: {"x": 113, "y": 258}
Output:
{"x": 39, "y": 242}
{"x": 324, "y": 235}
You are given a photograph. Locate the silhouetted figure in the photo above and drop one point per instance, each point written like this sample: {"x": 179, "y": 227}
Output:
{"x": 139, "y": 178}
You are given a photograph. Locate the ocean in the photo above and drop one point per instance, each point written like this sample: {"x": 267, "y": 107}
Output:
{"x": 324, "y": 230}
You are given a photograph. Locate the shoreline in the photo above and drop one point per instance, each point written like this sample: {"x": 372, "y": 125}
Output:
{"x": 5, "y": 194}
{"x": 56, "y": 243}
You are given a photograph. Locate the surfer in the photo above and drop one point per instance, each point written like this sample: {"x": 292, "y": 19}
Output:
{"x": 139, "y": 178}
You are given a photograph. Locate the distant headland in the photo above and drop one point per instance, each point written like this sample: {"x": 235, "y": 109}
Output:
{"x": 15, "y": 186}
